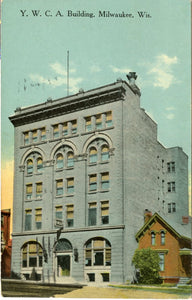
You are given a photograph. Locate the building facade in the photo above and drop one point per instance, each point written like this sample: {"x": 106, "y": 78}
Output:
{"x": 174, "y": 247}
{"x": 5, "y": 243}
{"x": 91, "y": 164}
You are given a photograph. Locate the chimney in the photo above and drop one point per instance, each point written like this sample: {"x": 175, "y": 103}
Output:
{"x": 147, "y": 215}
{"x": 185, "y": 220}
{"x": 132, "y": 77}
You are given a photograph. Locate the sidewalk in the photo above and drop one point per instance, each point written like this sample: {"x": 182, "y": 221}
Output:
{"x": 110, "y": 292}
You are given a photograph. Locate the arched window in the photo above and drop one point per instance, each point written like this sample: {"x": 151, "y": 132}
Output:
{"x": 93, "y": 155}
{"x": 32, "y": 255}
{"x": 59, "y": 161}
{"x": 39, "y": 165}
{"x": 63, "y": 245}
{"x": 30, "y": 166}
{"x": 152, "y": 238}
{"x": 98, "y": 252}
{"x": 162, "y": 237}
{"x": 70, "y": 159}
{"x": 105, "y": 153}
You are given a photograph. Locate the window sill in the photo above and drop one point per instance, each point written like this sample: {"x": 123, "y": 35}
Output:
{"x": 92, "y": 192}
{"x": 63, "y": 169}
{"x": 33, "y": 144}
{"x": 69, "y": 195}
{"x": 97, "y": 130}
{"x": 64, "y": 137}
{"x": 104, "y": 191}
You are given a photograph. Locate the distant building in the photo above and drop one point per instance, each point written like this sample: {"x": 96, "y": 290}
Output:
{"x": 5, "y": 243}
{"x": 173, "y": 242}
{"x": 90, "y": 163}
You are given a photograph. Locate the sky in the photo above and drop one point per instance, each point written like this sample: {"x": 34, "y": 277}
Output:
{"x": 101, "y": 49}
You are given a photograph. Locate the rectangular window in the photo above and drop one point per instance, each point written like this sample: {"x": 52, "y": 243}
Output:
{"x": 28, "y": 219}
{"x": 98, "y": 121}
{"x": 43, "y": 134}
{"x": 92, "y": 214}
{"x": 105, "y": 181}
{"x": 173, "y": 207}
{"x": 74, "y": 126}
{"x": 162, "y": 261}
{"x": 39, "y": 190}
{"x": 88, "y": 257}
{"x": 169, "y": 207}
{"x": 56, "y": 131}
{"x": 88, "y": 126}
{"x": 38, "y": 218}
{"x": 65, "y": 128}
{"x": 70, "y": 185}
{"x": 171, "y": 187}
{"x": 34, "y": 136}
{"x": 108, "y": 257}
{"x": 26, "y": 138}
{"x": 171, "y": 167}
{"x": 105, "y": 212}
{"x": 59, "y": 187}
{"x": 70, "y": 215}
{"x": 59, "y": 212}
{"x": 29, "y": 189}
{"x": 93, "y": 182}
{"x": 109, "y": 121}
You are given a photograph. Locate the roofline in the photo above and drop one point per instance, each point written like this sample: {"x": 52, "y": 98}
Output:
{"x": 97, "y": 96}
{"x": 157, "y": 216}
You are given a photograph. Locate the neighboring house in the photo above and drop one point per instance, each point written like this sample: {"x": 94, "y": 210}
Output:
{"x": 90, "y": 163}
{"x": 173, "y": 243}
{"x": 6, "y": 243}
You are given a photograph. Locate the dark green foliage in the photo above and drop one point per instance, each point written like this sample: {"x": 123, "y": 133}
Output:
{"x": 147, "y": 261}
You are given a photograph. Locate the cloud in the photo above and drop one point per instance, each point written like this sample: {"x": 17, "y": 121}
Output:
{"x": 170, "y": 108}
{"x": 60, "y": 78}
{"x": 161, "y": 70}
{"x": 170, "y": 116}
{"x": 95, "y": 69}
{"x": 120, "y": 70}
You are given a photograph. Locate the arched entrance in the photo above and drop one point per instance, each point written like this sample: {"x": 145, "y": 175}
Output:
{"x": 63, "y": 259}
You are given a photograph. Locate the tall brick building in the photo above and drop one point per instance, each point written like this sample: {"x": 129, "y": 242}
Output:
{"x": 92, "y": 163}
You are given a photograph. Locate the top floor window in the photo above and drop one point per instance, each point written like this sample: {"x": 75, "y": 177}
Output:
{"x": 171, "y": 167}
{"x": 98, "y": 121}
{"x": 56, "y": 131}
{"x": 34, "y": 136}
{"x": 88, "y": 125}
{"x": 74, "y": 126}
{"x": 65, "y": 128}
{"x": 162, "y": 237}
{"x": 152, "y": 238}
{"x": 43, "y": 134}
{"x": 109, "y": 121}
{"x": 26, "y": 138}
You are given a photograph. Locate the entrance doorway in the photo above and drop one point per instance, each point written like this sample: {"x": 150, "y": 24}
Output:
{"x": 63, "y": 260}
{"x": 63, "y": 265}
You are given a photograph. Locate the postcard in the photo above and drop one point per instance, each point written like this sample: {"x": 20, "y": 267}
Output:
{"x": 95, "y": 138}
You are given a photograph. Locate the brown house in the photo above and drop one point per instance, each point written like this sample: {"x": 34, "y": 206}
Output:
{"x": 173, "y": 243}
{"x": 6, "y": 243}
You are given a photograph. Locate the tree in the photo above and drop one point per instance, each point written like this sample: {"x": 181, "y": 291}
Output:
{"x": 147, "y": 261}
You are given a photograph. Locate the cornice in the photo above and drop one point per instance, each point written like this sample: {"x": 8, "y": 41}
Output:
{"x": 92, "y": 228}
{"x": 67, "y": 105}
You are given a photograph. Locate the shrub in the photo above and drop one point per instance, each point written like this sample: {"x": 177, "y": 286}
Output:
{"x": 147, "y": 261}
